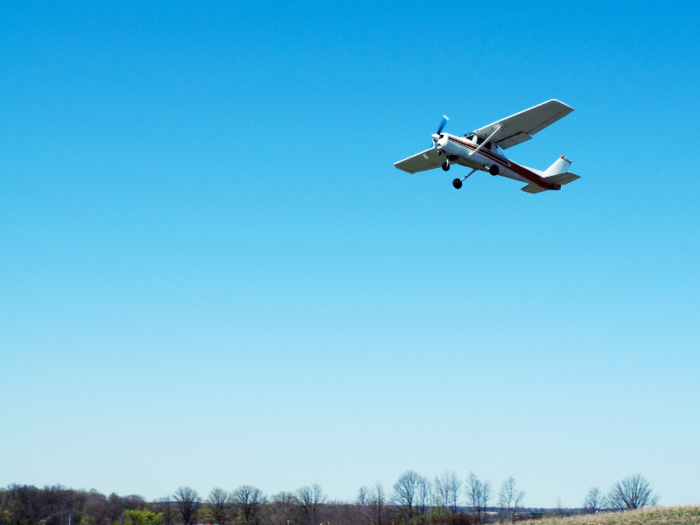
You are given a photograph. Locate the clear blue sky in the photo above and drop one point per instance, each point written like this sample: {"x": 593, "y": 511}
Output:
{"x": 211, "y": 274}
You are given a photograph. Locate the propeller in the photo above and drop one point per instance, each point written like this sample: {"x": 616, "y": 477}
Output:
{"x": 442, "y": 124}
{"x": 436, "y": 136}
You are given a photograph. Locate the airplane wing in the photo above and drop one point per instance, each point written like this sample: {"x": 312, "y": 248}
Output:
{"x": 425, "y": 160}
{"x": 522, "y": 126}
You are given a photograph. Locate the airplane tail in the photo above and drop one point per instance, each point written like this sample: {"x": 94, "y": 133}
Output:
{"x": 561, "y": 165}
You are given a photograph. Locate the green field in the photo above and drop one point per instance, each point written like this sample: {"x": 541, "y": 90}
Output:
{"x": 646, "y": 516}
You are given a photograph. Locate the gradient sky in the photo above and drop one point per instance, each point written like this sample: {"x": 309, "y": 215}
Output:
{"x": 211, "y": 274}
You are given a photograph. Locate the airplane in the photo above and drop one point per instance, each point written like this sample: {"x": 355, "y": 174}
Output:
{"x": 482, "y": 150}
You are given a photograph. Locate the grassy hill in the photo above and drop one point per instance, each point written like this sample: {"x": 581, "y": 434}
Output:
{"x": 645, "y": 516}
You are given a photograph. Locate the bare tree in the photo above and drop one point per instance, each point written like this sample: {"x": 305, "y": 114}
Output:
{"x": 509, "y": 499}
{"x": 362, "y": 503}
{"x": 632, "y": 492}
{"x": 310, "y": 501}
{"x": 362, "y": 495}
{"x": 447, "y": 489}
{"x": 96, "y": 510}
{"x": 117, "y": 506}
{"x": 441, "y": 494}
{"x": 218, "y": 504}
{"x": 455, "y": 485}
{"x": 478, "y": 497}
{"x": 424, "y": 494}
{"x": 188, "y": 503}
{"x": 338, "y": 513}
{"x": 594, "y": 501}
{"x": 247, "y": 501}
{"x": 166, "y": 510}
{"x": 405, "y": 494}
{"x": 377, "y": 501}
{"x": 282, "y": 508}
{"x": 559, "y": 511}
{"x": 132, "y": 502}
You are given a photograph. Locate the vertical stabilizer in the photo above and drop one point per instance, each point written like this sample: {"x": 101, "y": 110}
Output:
{"x": 561, "y": 165}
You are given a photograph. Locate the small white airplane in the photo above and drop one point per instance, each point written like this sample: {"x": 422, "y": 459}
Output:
{"x": 482, "y": 150}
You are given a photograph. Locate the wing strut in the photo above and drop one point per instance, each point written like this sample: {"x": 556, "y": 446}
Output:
{"x": 482, "y": 144}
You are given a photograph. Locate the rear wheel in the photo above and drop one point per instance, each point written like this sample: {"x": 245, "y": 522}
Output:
{"x": 493, "y": 169}
{"x": 457, "y": 184}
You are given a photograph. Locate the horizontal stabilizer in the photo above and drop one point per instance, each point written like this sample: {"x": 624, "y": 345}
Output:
{"x": 533, "y": 188}
{"x": 562, "y": 178}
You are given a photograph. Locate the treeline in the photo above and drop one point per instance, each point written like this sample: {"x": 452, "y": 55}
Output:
{"x": 415, "y": 500}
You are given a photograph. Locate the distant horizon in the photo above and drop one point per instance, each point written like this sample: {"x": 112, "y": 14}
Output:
{"x": 461, "y": 507}
{"x": 490, "y": 508}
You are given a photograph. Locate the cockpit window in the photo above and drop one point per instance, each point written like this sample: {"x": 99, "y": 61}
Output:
{"x": 474, "y": 138}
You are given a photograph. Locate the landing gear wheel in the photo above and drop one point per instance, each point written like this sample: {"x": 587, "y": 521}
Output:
{"x": 493, "y": 169}
{"x": 446, "y": 166}
{"x": 457, "y": 184}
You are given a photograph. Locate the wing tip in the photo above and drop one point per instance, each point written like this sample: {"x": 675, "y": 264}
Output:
{"x": 559, "y": 102}
{"x": 396, "y": 165}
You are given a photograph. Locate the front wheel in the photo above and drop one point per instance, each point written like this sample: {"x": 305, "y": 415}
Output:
{"x": 446, "y": 166}
{"x": 493, "y": 169}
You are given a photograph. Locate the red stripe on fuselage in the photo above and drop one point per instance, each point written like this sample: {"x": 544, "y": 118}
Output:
{"x": 514, "y": 167}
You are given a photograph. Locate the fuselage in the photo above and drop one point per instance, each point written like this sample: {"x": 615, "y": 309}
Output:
{"x": 462, "y": 150}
